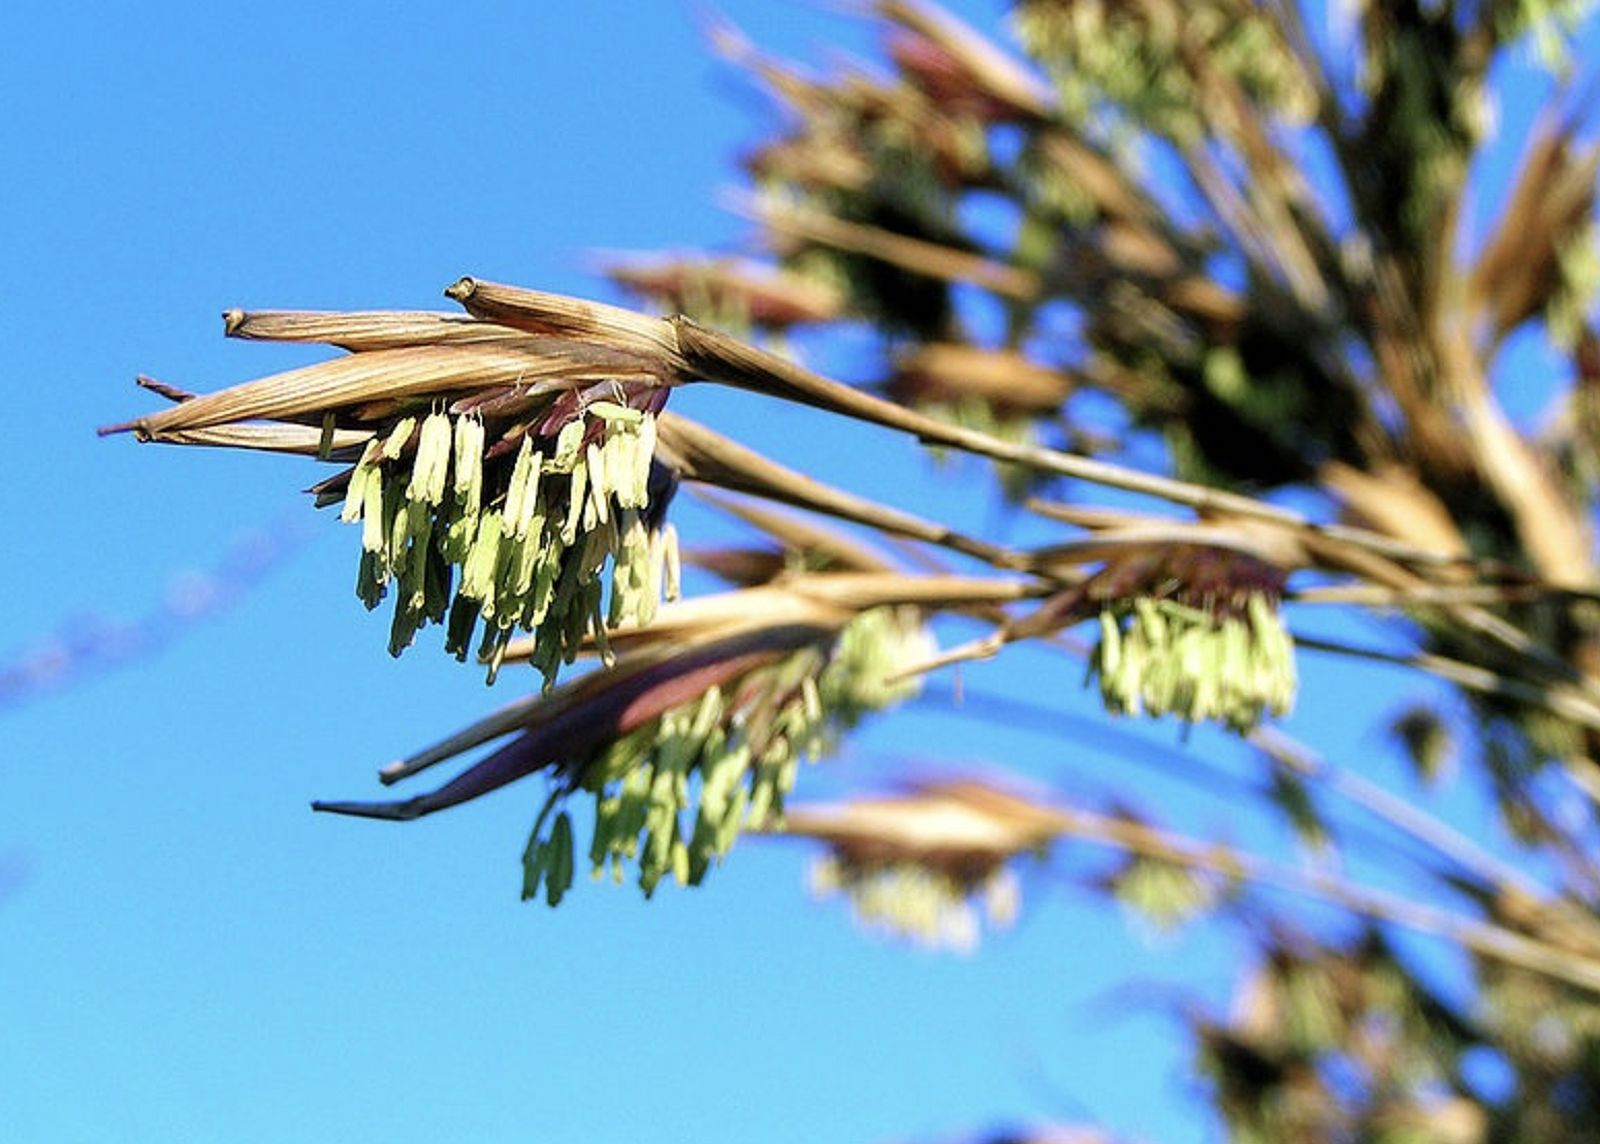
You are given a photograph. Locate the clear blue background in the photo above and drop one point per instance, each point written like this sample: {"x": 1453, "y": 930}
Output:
{"x": 186, "y": 952}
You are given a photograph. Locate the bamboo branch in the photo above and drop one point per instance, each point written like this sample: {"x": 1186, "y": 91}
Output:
{"x": 914, "y": 254}
{"x": 1404, "y": 816}
{"x": 701, "y": 454}
{"x": 1557, "y": 698}
{"x": 1483, "y": 938}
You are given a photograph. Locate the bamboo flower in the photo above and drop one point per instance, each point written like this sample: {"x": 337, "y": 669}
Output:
{"x": 497, "y": 473}
{"x": 697, "y": 731}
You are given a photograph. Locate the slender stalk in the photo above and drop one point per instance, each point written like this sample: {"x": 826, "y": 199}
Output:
{"x": 1404, "y": 816}
{"x": 1483, "y": 938}
{"x": 1556, "y": 698}
{"x": 1381, "y": 596}
{"x": 719, "y": 358}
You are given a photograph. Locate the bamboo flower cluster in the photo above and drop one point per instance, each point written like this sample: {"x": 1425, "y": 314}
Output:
{"x": 531, "y": 555}
{"x": 1163, "y": 656}
{"x": 673, "y": 794}
{"x": 1191, "y": 630}
{"x": 928, "y": 906}
{"x": 933, "y": 865}
{"x": 496, "y": 467}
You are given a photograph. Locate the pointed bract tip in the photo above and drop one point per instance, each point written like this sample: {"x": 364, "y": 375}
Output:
{"x": 231, "y": 321}
{"x": 389, "y": 811}
{"x": 461, "y": 289}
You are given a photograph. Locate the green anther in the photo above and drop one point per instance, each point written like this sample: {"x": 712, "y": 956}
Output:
{"x": 531, "y": 510}
{"x": 436, "y": 583}
{"x": 634, "y": 802}
{"x": 612, "y": 413}
{"x": 419, "y": 523}
{"x": 1188, "y": 652}
{"x": 1235, "y": 652}
{"x": 596, "y": 620}
{"x": 681, "y": 871}
{"x": 535, "y": 863}
{"x": 544, "y": 583}
{"x": 523, "y": 563}
{"x": 1121, "y": 690}
{"x": 371, "y": 579}
{"x": 469, "y": 464}
{"x": 1161, "y": 683}
{"x": 643, "y": 453}
{"x": 559, "y": 878}
{"x": 605, "y": 831}
{"x": 760, "y": 799}
{"x": 431, "y": 464}
{"x": 617, "y": 458}
{"x": 599, "y": 482}
{"x": 458, "y": 537}
{"x": 477, "y": 575}
{"x": 1210, "y": 681}
{"x": 727, "y": 830}
{"x": 674, "y": 570}
{"x": 439, "y": 473}
{"x": 458, "y": 628}
{"x": 395, "y": 443}
{"x": 575, "y": 505}
{"x": 355, "y": 493}
{"x": 403, "y": 627}
{"x": 811, "y": 700}
{"x": 1110, "y": 643}
{"x": 372, "y": 510}
{"x": 398, "y": 527}
{"x": 707, "y": 714}
{"x": 517, "y": 486}
{"x": 1147, "y": 621}
{"x": 508, "y": 605}
{"x": 569, "y": 442}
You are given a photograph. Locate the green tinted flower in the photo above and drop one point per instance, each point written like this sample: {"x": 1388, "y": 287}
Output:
{"x": 1195, "y": 632}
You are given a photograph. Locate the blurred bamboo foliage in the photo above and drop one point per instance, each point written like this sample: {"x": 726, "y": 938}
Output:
{"x": 1251, "y": 237}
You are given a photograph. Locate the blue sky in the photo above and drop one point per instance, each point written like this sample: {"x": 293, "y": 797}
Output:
{"x": 187, "y": 952}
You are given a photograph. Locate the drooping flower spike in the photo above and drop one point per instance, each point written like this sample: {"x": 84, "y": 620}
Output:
{"x": 1188, "y": 623}
{"x": 932, "y": 864}
{"x": 496, "y": 473}
{"x": 698, "y": 728}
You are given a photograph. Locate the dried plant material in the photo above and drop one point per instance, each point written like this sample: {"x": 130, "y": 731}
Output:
{"x": 915, "y": 255}
{"x": 930, "y": 865}
{"x": 697, "y": 453}
{"x": 948, "y": 374}
{"x": 413, "y": 373}
{"x": 1542, "y": 256}
{"x": 729, "y": 294}
{"x": 959, "y": 67}
{"x": 1390, "y": 500}
{"x": 612, "y": 327}
{"x": 370, "y": 330}
{"x": 500, "y": 477}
